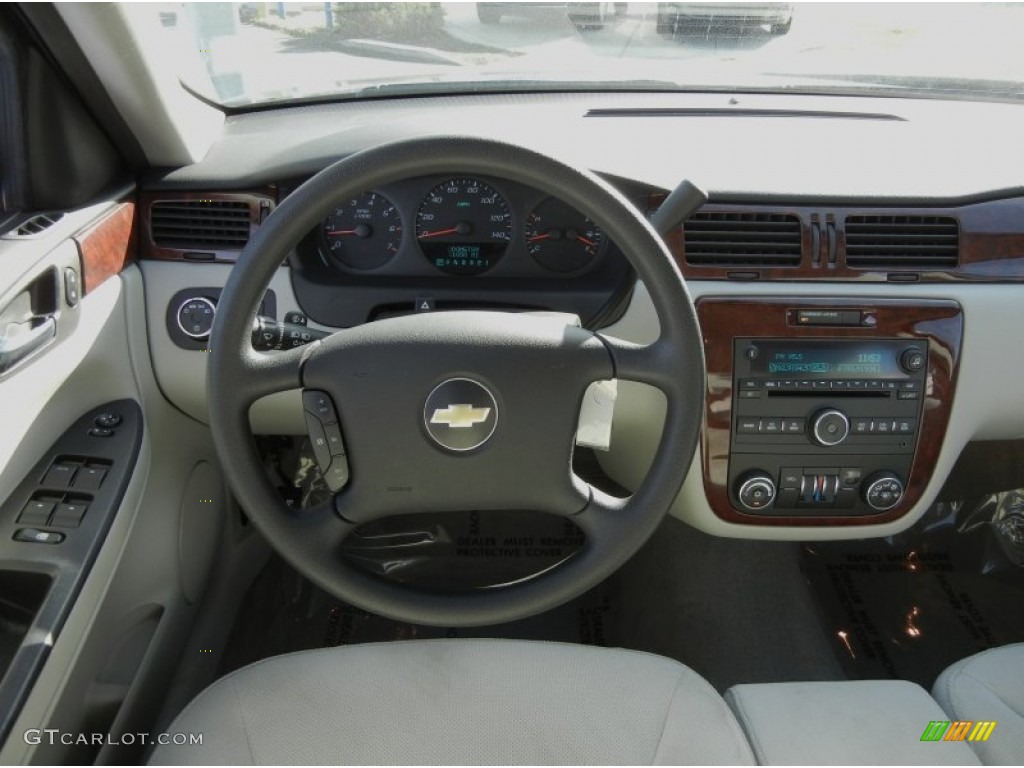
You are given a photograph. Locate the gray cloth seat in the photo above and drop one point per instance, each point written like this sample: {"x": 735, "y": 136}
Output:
{"x": 460, "y": 702}
{"x": 989, "y": 686}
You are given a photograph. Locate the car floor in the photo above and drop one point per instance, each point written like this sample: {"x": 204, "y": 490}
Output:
{"x": 728, "y": 609}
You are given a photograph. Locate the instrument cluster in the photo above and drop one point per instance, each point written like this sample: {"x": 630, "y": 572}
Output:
{"x": 461, "y": 226}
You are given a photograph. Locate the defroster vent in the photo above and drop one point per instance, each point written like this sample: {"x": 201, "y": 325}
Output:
{"x": 902, "y": 242}
{"x": 742, "y": 238}
{"x": 200, "y": 224}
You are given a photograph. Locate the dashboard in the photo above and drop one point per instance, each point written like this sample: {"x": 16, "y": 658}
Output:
{"x": 849, "y": 308}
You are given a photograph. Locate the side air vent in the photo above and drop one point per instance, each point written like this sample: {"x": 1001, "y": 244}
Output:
{"x": 36, "y": 225}
{"x": 220, "y": 225}
{"x": 902, "y": 242}
{"x": 724, "y": 238}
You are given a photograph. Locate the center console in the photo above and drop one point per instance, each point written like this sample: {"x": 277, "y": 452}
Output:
{"x": 824, "y": 412}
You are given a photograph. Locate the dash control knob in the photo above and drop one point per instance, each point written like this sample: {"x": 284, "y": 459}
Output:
{"x": 829, "y": 427}
{"x": 912, "y": 360}
{"x": 756, "y": 491}
{"x": 195, "y": 317}
{"x": 882, "y": 491}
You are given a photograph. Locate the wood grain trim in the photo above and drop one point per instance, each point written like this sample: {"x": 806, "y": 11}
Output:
{"x": 723, "y": 319}
{"x": 107, "y": 246}
{"x": 261, "y": 203}
{"x": 991, "y": 244}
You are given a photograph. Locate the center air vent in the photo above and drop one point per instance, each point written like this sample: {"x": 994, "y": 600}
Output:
{"x": 200, "y": 224}
{"x": 902, "y": 242}
{"x": 724, "y": 238}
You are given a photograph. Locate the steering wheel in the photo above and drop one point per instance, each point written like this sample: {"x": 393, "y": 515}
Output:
{"x": 452, "y": 411}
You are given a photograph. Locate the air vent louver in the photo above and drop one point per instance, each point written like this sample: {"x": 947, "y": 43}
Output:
{"x": 724, "y": 238}
{"x": 38, "y": 224}
{"x": 200, "y": 224}
{"x": 902, "y": 242}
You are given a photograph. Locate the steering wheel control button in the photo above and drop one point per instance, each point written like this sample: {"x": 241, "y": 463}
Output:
{"x": 829, "y": 427}
{"x": 756, "y": 492}
{"x": 34, "y": 536}
{"x": 336, "y": 475}
{"x": 883, "y": 491}
{"x": 108, "y": 420}
{"x": 460, "y": 414}
{"x": 319, "y": 404}
{"x": 318, "y": 438}
{"x": 335, "y": 443}
{"x": 195, "y": 317}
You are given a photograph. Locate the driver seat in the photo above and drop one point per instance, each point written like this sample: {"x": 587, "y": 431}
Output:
{"x": 462, "y": 702}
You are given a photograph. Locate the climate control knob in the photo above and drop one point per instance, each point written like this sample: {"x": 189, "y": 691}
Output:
{"x": 882, "y": 491}
{"x": 755, "y": 491}
{"x": 829, "y": 427}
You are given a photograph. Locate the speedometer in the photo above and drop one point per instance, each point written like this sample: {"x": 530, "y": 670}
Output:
{"x": 463, "y": 226}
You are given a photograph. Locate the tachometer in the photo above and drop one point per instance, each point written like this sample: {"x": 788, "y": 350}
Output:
{"x": 364, "y": 232}
{"x": 464, "y": 226}
{"x": 561, "y": 238}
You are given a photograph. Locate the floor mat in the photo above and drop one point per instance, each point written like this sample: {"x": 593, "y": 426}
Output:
{"x": 894, "y": 611}
{"x": 284, "y": 612}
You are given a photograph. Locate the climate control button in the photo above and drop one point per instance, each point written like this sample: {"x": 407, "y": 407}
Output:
{"x": 829, "y": 427}
{"x": 883, "y": 491}
{"x": 755, "y": 491}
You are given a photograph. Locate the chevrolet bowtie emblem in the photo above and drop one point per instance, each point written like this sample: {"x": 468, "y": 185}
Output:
{"x": 460, "y": 416}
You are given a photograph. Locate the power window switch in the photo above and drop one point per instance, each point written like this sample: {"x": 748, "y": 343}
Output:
{"x": 34, "y": 536}
{"x": 59, "y": 476}
{"x": 36, "y": 513}
{"x": 89, "y": 479}
{"x": 69, "y": 515}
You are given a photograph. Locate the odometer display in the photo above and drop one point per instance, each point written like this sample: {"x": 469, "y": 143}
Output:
{"x": 463, "y": 226}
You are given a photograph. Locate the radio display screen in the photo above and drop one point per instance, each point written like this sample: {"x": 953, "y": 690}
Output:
{"x": 828, "y": 360}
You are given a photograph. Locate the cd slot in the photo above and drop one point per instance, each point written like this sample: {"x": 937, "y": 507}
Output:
{"x": 833, "y": 393}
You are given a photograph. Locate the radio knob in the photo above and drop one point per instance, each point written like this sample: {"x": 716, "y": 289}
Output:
{"x": 912, "y": 360}
{"x": 756, "y": 491}
{"x": 829, "y": 427}
{"x": 882, "y": 491}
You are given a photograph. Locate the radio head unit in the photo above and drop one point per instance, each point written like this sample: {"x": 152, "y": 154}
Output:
{"x": 824, "y": 426}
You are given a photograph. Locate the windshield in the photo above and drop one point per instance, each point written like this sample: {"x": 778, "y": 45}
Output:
{"x": 241, "y": 54}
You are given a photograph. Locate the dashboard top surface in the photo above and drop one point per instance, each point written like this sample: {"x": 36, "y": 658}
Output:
{"x": 738, "y": 147}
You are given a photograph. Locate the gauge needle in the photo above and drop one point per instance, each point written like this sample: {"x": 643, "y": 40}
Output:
{"x": 584, "y": 240}
{"x": 341, "y": 232}
{"x": 452, "y": 231}
{"x": 538, "y": 237}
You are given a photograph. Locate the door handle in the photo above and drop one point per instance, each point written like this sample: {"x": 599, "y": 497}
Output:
{"x": 18, "y": 346}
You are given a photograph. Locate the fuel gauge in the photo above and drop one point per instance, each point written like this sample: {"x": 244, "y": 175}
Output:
{"x": 560, "y": 238}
